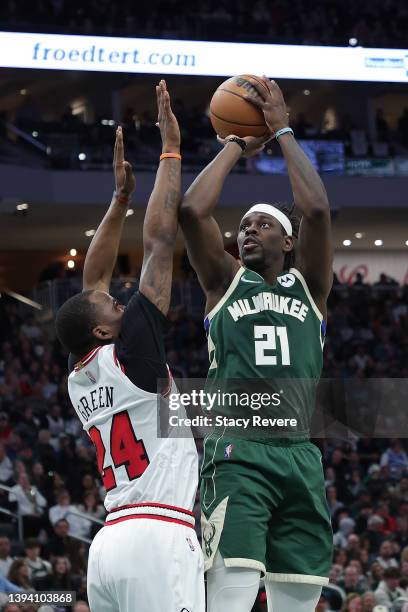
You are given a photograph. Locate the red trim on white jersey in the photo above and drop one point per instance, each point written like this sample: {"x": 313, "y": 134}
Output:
{"x": 151, "y": 510}
{"x": 117, "y": 362}
{"x": 148, "y": 516}
{"x": 153, "y": 505}
{"x": 87, "y": 359}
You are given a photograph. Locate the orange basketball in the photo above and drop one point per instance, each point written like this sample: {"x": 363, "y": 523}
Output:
{"x": 230, "y": 113}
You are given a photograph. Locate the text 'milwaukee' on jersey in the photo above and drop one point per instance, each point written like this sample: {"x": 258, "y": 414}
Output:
{"x": 142, "y": 473}
{"x": 271, "y": 338}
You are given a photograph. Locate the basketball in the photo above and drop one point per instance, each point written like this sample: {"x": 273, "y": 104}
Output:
{"x": 230, "y": 113}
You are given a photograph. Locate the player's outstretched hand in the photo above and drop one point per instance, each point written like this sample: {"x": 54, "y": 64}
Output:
{"x": 125, "y": 182}
{"x": 272, "y": 104}
{"x": 254, "y": 146}
{"x": 166, "y": 120}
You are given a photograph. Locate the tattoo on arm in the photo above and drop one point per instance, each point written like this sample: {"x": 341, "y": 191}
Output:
{"x": 173, "y": 195}
{"x": 157, "y": 280}
{"x": 160, "y": 232}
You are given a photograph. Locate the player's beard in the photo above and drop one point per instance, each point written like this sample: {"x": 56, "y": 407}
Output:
{"x": 255, "y": 260}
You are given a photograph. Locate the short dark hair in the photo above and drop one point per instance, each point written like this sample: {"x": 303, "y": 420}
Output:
{"x": 74, "y": 324}
{"x": 392, "y": 572}
{"x": 32, "y": 543}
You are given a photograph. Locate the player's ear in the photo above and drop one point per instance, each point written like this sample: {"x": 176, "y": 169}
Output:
{"x": 288, "y": 244}
{"x": 102, "y": 332}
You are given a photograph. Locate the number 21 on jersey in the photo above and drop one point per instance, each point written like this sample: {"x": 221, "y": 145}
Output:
{"x": 266, "y": 337}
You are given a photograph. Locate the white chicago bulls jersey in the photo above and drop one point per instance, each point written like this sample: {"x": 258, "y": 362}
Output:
{"x": 142, "y": 473}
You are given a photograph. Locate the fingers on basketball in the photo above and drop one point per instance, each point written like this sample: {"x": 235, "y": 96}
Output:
{"x": 236, "y": 107}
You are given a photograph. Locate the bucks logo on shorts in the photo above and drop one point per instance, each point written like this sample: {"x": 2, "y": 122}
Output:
{"x": 208, "y": 537}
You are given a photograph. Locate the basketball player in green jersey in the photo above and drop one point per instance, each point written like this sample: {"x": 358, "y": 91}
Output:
{"x": 263, "y": 500}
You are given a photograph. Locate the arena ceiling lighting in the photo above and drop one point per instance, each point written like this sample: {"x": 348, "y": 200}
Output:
{"x": 184, "y": 57}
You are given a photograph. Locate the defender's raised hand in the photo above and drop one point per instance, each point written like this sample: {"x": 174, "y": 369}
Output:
{"x": 272, "y": 104}
{"x": 125, "y": 182}
{"x": 166, "y": 120}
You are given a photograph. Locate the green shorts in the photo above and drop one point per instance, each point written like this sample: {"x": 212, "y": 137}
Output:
{"x": 264, "y": 507}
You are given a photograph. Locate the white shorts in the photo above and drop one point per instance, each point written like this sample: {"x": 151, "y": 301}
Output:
{"x": 146, "y": 565}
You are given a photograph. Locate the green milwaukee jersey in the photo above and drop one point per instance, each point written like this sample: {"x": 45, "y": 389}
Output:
{"x": 266, "y": 338}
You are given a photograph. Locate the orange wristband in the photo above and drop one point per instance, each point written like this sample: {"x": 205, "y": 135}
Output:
{"x": 166, "y": 155}
{"x": 122, "y": 198}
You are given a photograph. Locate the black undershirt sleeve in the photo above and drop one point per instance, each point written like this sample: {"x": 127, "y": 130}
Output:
{"x": 140, "y": 345}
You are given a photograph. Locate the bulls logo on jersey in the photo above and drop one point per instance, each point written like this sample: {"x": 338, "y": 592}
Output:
{"x": 287, "y": 280}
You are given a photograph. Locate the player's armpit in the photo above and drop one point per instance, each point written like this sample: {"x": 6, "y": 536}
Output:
{"x": 315, "y": 255}
{"x": 215, "y": 267}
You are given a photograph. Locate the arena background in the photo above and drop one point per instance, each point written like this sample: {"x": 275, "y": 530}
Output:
{"x": 56, "y": 142}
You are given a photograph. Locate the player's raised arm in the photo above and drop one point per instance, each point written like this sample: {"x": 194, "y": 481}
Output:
{"x": 214, "y": 266}
{"x": 103, "y": 251}
{"x": 161, "y": 220}
{"x": 315, "y": 244}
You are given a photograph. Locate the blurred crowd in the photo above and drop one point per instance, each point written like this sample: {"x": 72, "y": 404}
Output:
{"x": 48, "y": 467}
{"x": 379, "y": 23}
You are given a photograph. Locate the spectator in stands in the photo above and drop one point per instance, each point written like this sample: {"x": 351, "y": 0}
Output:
{"x": 19, "y": 574}
{"x": 353, "y": 546}
{"x": 389, "y": 590}
{"x": 30, "y": 505}
{"x": 390, "y": 524}
{"x": 375, "y": 574}
{"x": 78, "y": 526}
{"x": 353, "y": 603}
{"x": 40, "y": 480}
{"x": 346, "y": 527}
{"x": 386, "y": 557}
{"x": 359, "y": 281}
{"x": 395, "y": 458}
{"x": 61, "y": 578}
{"x": 385, "y": 281}
{"x": 62, "y": 508}
{"x": 368, "y": 601}
{"x": 6, "y": 467}
{"x": 5, "y": 559}
{"x": 340, "y": 557}
{"x": 352, "y": 582}
{"x": 334, "y": 504}
{"x": 89, "y": 485}
{"x": 93, "y": 510}
{"x": 56, "y": 423}
{"x": 61, "y": 544}
{"x": 38, "y": 568}
{"x": 373, "y": 535}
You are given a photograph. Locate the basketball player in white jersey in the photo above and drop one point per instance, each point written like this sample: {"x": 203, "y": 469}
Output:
{"x": 146, "y": 558}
